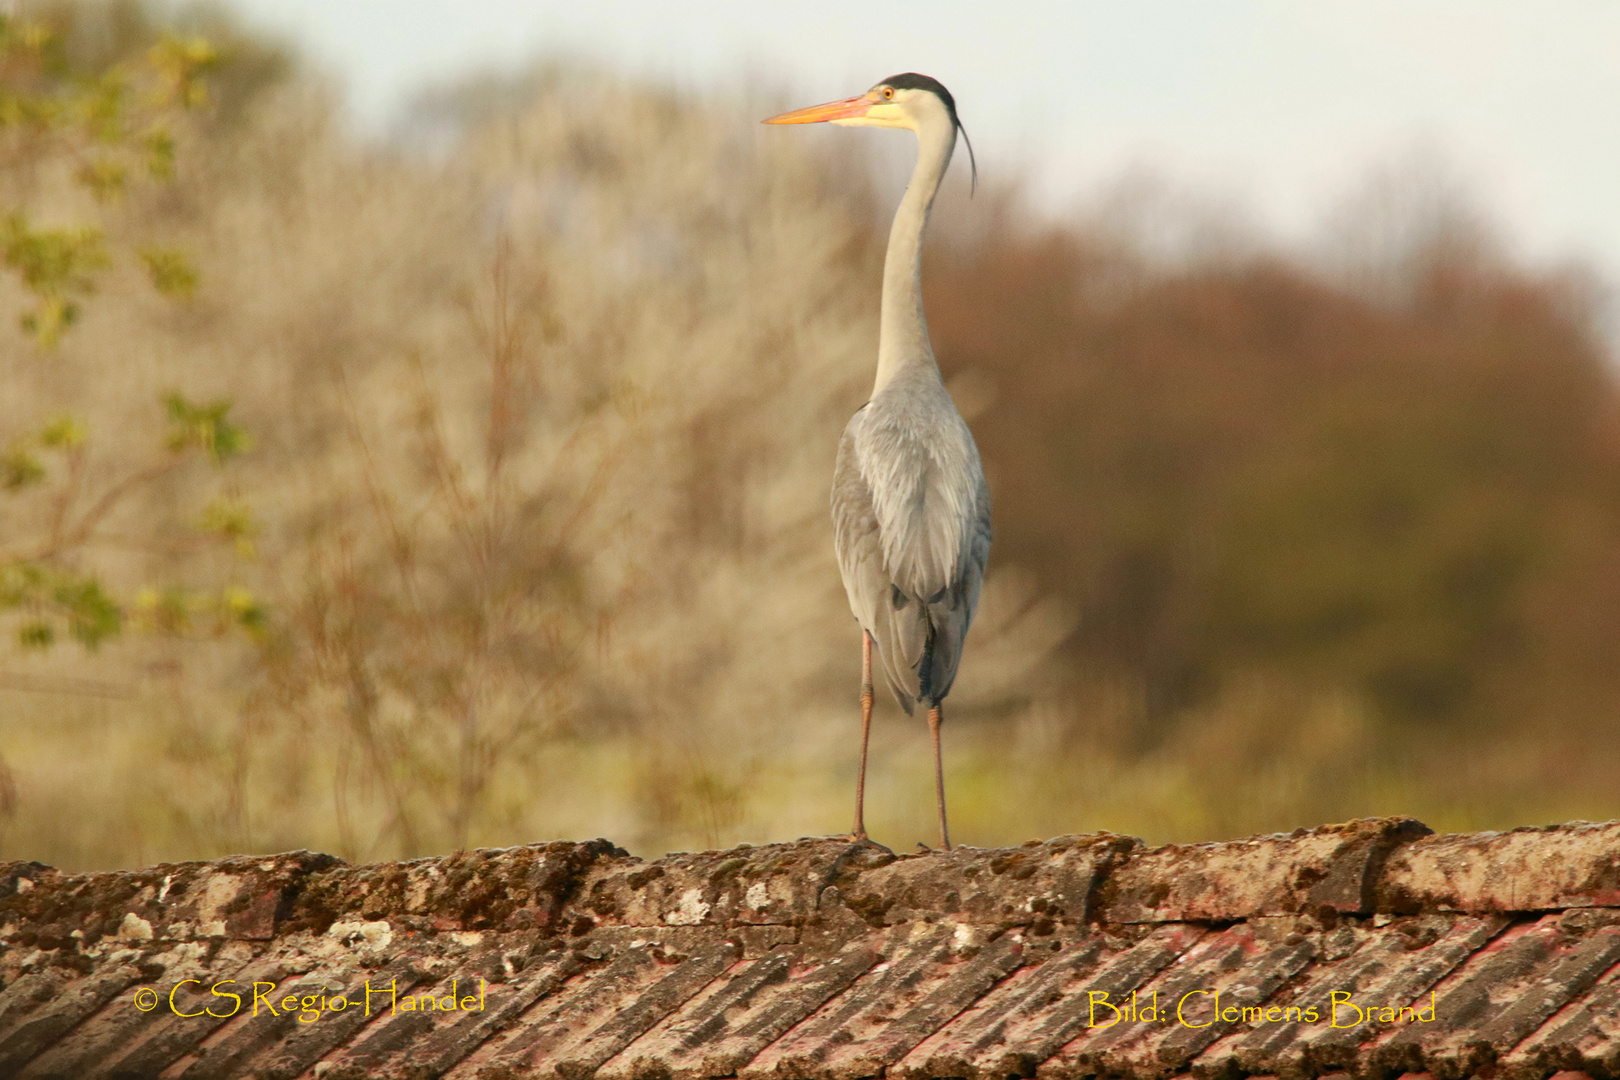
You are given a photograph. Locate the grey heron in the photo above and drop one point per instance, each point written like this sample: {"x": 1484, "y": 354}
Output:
{"x": 911, "y": 512}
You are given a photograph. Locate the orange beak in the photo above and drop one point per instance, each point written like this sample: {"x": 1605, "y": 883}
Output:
{"x": 833, "y": 110}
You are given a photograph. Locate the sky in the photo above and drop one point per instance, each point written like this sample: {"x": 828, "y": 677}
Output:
{"x": 1279, "y": 108}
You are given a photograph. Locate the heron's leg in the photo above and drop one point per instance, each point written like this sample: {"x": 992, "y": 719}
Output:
{"x": 936, "y": 716}
{"x": 866, "y": 731}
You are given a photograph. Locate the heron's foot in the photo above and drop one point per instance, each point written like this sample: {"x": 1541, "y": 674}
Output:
{"x": 926, "y": 850}
{"x": 861, "y": 840}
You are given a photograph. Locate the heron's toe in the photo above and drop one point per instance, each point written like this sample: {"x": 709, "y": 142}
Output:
{"x": 859, "y": 841}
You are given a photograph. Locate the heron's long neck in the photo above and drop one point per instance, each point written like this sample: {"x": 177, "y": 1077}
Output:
{"x": 903, "y": 331}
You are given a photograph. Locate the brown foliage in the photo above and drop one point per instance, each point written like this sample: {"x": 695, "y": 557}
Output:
{"x": 1242, "y": 465}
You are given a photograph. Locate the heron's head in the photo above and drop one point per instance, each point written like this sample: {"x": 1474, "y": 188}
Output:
{"x": 910, "y": 101}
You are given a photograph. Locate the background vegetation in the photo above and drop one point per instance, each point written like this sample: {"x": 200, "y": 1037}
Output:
{"x": 472, "y": 490}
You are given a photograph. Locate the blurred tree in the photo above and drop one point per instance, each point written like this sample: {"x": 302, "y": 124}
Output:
{"x": 454, "y": 644}
{"x": 90, "y": 94}
{"x": 1237, "y": 466}
{"x": 97, "y": 93}
{"x": 103, "y": 121}
{"x": 93, "y": 100}
{"x": 42, "y": 587}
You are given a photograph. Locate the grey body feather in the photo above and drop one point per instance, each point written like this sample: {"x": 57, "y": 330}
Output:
{"x": 911, "y": 523}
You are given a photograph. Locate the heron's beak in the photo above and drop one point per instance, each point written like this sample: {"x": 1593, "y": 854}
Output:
{"x": 848, "y": 109}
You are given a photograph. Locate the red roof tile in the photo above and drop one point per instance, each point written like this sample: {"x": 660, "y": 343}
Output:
{"x": 1368, "y": 951}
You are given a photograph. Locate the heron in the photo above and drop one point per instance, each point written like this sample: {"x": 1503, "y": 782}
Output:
{"x": 910, "y": 508}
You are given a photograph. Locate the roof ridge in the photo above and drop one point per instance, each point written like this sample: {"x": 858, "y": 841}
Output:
{"x": 756, "y": 960}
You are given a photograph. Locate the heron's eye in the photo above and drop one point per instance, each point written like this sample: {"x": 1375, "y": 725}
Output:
{"x": 888, "y": 93}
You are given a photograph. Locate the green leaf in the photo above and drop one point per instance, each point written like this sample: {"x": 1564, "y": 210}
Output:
{"x": 35, "y": 635}
{"x": 19, "y": 468}
{"x": 92, "y": 615}
{"x": 228, "y": 518}
{"x": 54, "y": 597}
{"x": 159, "y": 147}
{"x": 53, "y": 264}
{"x": 63, "y": 433}
{"x": 47, "y": 321}
{"x": 172, "y": 274}
{"x": 100, "y": 108}
{"x": 204, "y": 427}
{"x": 233, "y": 521}
{"x": 248, "y": 611}
{"x": 52, "y": 259}
{"x": 19, "y": 583}
{"x": 172, "y": 613}
{"x": 105, "y": 178}
{"x": 181, "y": 61}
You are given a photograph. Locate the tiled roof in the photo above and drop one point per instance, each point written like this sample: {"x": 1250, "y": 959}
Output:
{"x": 820, "y": 959}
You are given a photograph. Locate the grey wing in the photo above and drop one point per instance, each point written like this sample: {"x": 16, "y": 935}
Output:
{"x": 913, "y": 548}
{"x": 899, "y": 634}
{"x": 952, "y": 614}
